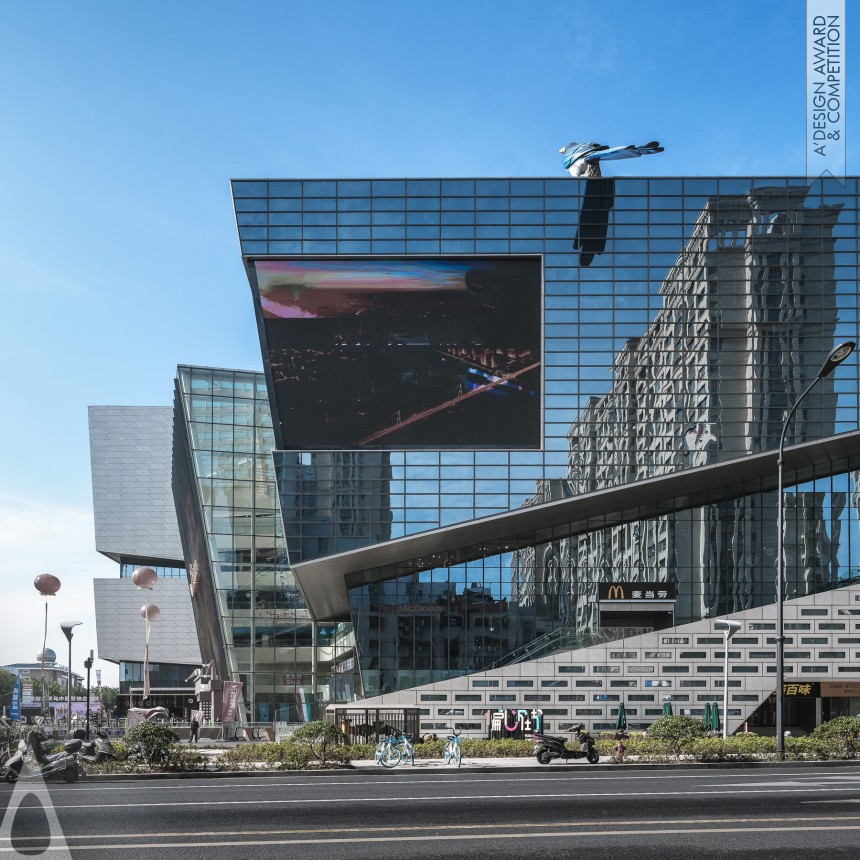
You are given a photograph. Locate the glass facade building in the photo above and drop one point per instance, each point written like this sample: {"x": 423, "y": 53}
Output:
{"x": 442, "y": 350}
{"x": 250, "y": 615}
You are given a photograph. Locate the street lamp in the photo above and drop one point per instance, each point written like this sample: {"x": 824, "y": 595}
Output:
{"x": 67, "y": 628}
{"x": 729, "y": 629}
{"x": 837, "y": 355}
{"x": 47, "y": 585}
{"x": 88, "y": 664}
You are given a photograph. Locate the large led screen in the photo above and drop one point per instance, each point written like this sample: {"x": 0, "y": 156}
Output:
{"x": 405, "y": 353}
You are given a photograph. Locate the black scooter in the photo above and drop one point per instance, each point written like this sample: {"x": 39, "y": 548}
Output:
{"x": 31, "y": 761}
{"x": 548, "y": 747}
{"x": 95, "y": 751}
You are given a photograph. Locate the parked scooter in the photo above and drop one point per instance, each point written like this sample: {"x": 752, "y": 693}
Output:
{"x": 95, "y": 751}
{"x": 548, "y": 747}
{"x": 7, "y": 730}
{"x": 138, "y": 754}
{"x": 31, "y": 761}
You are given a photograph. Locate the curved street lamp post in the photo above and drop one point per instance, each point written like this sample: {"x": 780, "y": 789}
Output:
{"x": 729, "y": 629}
{"x": 68, "y": 629}
{"x": 837, "y": 355}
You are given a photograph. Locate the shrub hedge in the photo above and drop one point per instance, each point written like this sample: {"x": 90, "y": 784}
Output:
{"x": 272, "y": 756}
{"x": 741, "y": 747}
{"x": 153, "y": 738}
{"x": 668, "y": 739}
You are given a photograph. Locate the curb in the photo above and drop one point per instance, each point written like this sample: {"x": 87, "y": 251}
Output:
{"x": 373, "y": 770}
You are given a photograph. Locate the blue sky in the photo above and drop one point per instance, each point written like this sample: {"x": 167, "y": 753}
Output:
{"x": 122, "y": 125}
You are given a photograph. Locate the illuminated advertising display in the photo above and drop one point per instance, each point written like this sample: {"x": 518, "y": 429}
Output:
{"x": 405, "y": 353}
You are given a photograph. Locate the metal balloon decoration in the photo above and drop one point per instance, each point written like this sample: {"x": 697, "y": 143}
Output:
{"x": 47, "y": 585}
{"x": 150, "y": 612}
{"x": 145, "y": 578}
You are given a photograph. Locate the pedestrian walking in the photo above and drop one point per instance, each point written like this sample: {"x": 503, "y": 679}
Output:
{"x": 195, "y": 729}
{"x": 618, "y": 752}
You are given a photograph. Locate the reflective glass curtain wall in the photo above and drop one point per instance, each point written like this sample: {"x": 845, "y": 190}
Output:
{"x": 241, "y": 573}
{"x": 681, "y": 320}
{"x": 128, "y": 567}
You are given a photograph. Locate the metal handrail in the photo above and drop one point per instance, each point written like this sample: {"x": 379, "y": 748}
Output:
{"x": 561, "y": 639}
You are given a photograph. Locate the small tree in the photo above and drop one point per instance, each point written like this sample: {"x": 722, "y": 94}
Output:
{"x": 57, "y": 690}
{"x": 7, "y": 682}
{"x": 154, "y": 739}
{"x": 845, "y": 729}
{"x": 108, "y": 697}
{"x": 678, "y": 731}
{"x": 319, "y": 737}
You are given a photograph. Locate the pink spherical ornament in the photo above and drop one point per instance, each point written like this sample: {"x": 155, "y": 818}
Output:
{"x": 144, "y": 577}
{"x": 150, "y": 612}
{"x": 47, "y": 584}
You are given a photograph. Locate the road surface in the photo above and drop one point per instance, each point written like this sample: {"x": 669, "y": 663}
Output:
{"x": 558, "y": 812}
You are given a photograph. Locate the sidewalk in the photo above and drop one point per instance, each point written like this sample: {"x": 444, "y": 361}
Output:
{"x": 471, "y": 763}
{"x": 514, "y": 765}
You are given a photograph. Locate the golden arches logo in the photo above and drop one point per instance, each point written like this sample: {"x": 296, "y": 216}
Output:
{"x": 616, "y": 592}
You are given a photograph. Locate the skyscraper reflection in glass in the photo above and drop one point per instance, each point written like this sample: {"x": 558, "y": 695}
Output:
{"x": 679, "y": 320}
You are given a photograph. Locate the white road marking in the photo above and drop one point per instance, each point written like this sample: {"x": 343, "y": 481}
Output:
{"x": 553, "y": 833}
{"x": 462, "y": 778}
{"x": 811, "y": 781}
{"x": 835, "y": 800}
{"x": 449, "y": 798}
{"x": 519, "y": 825}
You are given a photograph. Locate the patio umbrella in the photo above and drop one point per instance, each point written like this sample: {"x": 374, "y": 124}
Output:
{"x": 621, "y": 722}
{"x": 667, "y": 708}
{"x": 706, "y": 716}
{"x": 715, "y": 717}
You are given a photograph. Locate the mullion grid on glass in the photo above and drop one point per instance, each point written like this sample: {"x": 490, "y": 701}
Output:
{"x": 629, "y": 288}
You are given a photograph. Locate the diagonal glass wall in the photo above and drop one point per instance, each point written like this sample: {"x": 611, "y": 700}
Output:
{"x": 250, "y": 615}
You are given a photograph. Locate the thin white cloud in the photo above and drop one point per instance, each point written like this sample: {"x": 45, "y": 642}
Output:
{"x": 23, "y": 276}
{"x": 49, "y": 537}
{"x": 589, "y": 46}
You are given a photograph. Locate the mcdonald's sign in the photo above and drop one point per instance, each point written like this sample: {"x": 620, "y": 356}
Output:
{"x": 615, "y": 591}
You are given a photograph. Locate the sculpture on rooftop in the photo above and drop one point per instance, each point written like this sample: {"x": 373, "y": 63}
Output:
{"x": 583, "y": 159}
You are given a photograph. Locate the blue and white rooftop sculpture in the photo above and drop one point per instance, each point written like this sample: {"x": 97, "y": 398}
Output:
{"x": 583, "y": 159}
